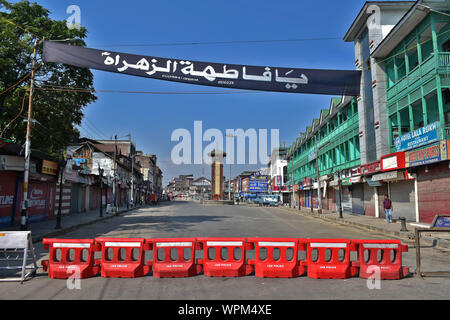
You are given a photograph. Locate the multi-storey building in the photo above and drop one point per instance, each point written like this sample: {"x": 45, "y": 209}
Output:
{"x": 277, "y": 173}
{"x": 336, "y": 135}
{"x": 394, "y": 138}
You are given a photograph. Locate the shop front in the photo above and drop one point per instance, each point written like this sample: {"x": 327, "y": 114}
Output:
{"x": 430, "y": 163}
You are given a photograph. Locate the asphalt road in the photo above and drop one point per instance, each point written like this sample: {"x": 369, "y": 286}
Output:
{"x": 187, "y": 219}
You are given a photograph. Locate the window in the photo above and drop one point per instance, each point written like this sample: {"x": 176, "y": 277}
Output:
{"x": 432, "y": 107}
{"x": 404, "y": 121}
{"x": 344, "y": 114}
{"x": 390, "y": 73}
{"x": 394, "y": 127}
{"x": 357, "y": 147}
{"x": 400, "y": 64}
{"x": 417, "y": 114}
{"x": 425, "y": 43}
{"x": 413, "y": 58}
{"x": 446, "y": 98}
{"x": 446, "y": 46}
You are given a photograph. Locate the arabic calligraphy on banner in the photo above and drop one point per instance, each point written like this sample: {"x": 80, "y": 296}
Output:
{"x": 341, "y": 82}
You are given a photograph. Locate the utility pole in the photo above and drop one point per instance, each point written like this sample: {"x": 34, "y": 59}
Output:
{"x": 203, "y": 186}
{"x": 100, "y": 174}
{"x": 26, "y": 173}
{"x": 61, "y": 173}
{"x": 229, "y": 185}
{"x": 132, "y": 181}
{"x": 132, "y": 172}
{"x": 114, "y": 177}
{"x": 340, "y": 194}
{"x": 292, "y": 183}
{"x": 319, "y": 193}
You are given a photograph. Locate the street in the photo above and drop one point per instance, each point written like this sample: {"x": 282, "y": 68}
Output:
{"x": 190, "y": 219}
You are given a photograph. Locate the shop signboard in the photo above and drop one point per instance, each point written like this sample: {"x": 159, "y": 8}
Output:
{"x": 419, "y": 137}
{"x": 392, "y": 175}
{"x": 393, "y": 161}
{"x": 431, "y": 153}
{"x": 49, "y": 167}
{"x": 370, "y": 168}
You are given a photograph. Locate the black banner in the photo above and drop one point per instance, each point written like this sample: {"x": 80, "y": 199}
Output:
{"x": 294, "y": 80}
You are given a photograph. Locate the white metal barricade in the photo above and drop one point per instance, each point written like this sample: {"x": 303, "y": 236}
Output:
{"x": 16, "y": 250}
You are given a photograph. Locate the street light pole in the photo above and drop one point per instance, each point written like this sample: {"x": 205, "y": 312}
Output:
{"x": 100, "y": 173}
{"x": 114, "y": 178}
{"x": 340, "y": 194}
{"x": 132, "y": 181}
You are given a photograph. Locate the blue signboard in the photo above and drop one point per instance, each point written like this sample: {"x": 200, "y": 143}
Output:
{"x": 258, "y": 184}
{"x": 442, "y": 221}
{"x": 419, "y": 137}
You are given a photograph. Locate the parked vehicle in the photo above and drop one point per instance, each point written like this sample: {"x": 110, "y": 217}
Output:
{"x": 267, "y": 200}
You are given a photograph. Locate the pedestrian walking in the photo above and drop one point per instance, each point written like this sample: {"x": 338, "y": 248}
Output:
{"x": 387, "y": 204}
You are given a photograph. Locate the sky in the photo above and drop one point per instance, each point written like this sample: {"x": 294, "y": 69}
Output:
{"x": 135, "y": 26}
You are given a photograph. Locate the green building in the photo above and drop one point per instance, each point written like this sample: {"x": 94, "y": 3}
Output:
{"x": 393, "y": 138}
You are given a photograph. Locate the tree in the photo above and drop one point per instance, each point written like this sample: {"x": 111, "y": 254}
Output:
{"x": 56, "y": 112}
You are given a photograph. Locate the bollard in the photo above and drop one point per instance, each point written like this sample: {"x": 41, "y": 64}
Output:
{"x": 403, "y": 221}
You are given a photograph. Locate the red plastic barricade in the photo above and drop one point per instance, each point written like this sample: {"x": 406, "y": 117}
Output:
{"x": 70, "y": 257}
{"x": 119, "y": 257}
{"x": 285, "y": 266}
{"x": 383, "y": 257}
{"x": 174, "y": 267}
{"x": 216, "y": 265}
{"x": 332, "y": 258}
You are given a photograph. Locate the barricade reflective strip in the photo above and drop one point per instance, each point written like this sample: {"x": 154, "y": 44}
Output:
{"x": 275, "y": 244}
{"x": 224, "y": 243}
{"x": 71, "y": 245}
{"x": 122, "y": 244}
{"x": 379, "y": 245}
{"x": 327, "y": 245}
{"x": 173, "y": 244}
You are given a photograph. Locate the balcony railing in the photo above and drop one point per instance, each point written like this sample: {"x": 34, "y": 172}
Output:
{"x": 412, "y": 80}
{"x": 444, "y": 60}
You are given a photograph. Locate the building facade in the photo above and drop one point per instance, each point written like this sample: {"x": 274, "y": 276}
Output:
{"x": 393, "y": 138}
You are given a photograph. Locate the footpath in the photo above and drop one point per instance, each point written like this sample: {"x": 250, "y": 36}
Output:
{"x": 439, "y": 240}
{"x": 69, "y": 222}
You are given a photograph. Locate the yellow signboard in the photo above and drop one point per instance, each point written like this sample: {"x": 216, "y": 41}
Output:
{"x": 49, "y": 167}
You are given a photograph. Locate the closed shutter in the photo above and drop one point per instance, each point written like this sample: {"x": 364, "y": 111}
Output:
{"x": 402, "y": 197}
{"x": 74, "y": 199}
{"x": 358, "y": 198}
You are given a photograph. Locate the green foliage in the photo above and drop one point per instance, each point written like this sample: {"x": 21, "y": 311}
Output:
{"x": 55, "y": 111}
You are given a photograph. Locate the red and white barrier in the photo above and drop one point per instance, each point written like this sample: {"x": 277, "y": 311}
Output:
{"x": 225, "y": 257}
